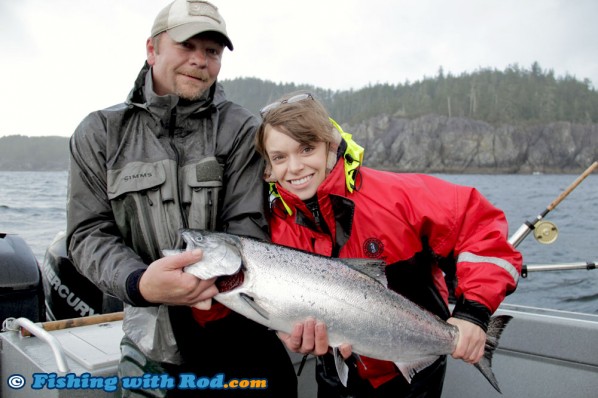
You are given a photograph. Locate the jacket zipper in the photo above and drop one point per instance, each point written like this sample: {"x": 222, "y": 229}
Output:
{"x": 321, "y": 226}
{"x": 150, "y": 237}
{"x": 209, "y": 211}
{"x": 171, "y": 131}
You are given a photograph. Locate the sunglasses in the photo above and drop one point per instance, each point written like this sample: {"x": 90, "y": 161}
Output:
{"x": 294, "y": 98}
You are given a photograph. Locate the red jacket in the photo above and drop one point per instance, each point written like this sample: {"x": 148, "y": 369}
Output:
{"x": 416, "y": 224}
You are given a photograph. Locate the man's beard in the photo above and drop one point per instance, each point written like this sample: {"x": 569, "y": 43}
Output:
{"x": 188, "y": 91}
{"x": 190, "y": 97}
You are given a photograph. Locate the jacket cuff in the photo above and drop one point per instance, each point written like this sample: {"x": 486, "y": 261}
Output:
{"x": 473, "y": 312}
{"x": 133, "y": 289}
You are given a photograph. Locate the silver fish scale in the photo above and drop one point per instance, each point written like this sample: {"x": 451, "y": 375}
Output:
{"x": 291, "y": 286}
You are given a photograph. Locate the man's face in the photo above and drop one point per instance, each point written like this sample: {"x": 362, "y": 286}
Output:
{"x": 186, "y": 69}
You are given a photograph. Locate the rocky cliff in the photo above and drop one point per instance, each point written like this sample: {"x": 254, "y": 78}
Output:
{"x": 439, "y": 144}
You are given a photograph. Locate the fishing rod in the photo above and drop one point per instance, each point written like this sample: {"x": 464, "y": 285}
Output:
{"x": 527, "y": 227}
{"x": 556, "y": 267}
{"x": 546, "y": 232}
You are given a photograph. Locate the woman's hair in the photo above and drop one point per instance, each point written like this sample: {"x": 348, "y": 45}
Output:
{"x": 298, "y": 115}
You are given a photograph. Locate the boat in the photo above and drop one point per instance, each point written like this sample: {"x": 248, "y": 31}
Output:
{"x": 60, "y": 335}
{"x": 542, "y": 353}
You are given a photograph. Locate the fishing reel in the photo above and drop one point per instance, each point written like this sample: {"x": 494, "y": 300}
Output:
{"x": 546, "y": 232}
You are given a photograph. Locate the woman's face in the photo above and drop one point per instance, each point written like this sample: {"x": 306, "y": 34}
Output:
{"x": 298, "y": 168}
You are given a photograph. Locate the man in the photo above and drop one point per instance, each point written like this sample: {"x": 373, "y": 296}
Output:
{"x": 176, "y": 154}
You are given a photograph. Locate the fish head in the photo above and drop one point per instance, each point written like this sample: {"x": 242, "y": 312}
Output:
{"x": 221, "y": 253}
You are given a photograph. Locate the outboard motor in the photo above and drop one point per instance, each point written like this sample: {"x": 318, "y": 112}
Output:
{"x": 21, "y": 290}
{"x": 68, "y": 293}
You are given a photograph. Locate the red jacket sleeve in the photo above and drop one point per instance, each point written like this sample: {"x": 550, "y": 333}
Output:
{"x": 488, "y": 266}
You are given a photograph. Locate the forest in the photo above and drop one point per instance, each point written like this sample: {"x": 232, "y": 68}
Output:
{"x": 513, "y": 96}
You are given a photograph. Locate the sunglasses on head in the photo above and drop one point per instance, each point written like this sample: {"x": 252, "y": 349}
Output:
{"x": 294, "y": 98}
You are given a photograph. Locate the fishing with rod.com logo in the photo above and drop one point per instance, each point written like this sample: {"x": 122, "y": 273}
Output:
{"x": 148, "y": 381}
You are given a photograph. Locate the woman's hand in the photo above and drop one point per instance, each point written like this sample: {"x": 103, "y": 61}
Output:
{"x": 311, "y": 337}
{"x": 472, "y": 341}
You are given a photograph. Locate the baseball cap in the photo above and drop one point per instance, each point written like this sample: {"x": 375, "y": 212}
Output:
{"x": 186, "y": 18}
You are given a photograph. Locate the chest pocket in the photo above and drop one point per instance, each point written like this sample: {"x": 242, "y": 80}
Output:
{"x": 144, "y": 207}
{"x": 202, "y": 193}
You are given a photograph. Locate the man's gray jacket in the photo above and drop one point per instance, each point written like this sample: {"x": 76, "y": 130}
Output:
{"x": 140, "y": 171}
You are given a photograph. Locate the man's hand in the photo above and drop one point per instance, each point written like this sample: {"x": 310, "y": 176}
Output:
{"x": 311, "y": 337}
{"x": 165, "y": 282}
{"x": 472, "y": 341}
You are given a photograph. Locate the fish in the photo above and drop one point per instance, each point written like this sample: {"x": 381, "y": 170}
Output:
{"x": 278, "y": 287}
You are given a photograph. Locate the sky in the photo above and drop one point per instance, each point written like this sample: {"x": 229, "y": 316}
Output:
{"x": 62, "y": 59}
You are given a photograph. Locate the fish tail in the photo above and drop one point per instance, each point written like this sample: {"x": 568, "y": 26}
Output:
{"x": 495, "y": 328}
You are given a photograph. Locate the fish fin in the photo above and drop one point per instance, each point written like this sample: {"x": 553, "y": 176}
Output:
{"x": 410, "y": 369}
{"x": 251, "y": 302}
{"x": 341, "y": 366}
{"x": 360, "y": 361}
{"x": 375, "y": 269}
{"x": 495, "y": 328}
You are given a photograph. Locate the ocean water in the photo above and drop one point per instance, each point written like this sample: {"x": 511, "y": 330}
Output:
{"x": 32, "y": 205}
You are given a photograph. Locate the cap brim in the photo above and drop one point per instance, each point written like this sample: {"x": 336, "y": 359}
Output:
{"x": 183, "y": 32}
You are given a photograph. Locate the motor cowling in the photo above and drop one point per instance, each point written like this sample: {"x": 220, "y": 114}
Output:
{"x": 21, "y": 290}
{"x": 69, "y": 294}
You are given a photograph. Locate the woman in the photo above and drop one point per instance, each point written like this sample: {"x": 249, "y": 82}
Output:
{"x": 324, "y": 201}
